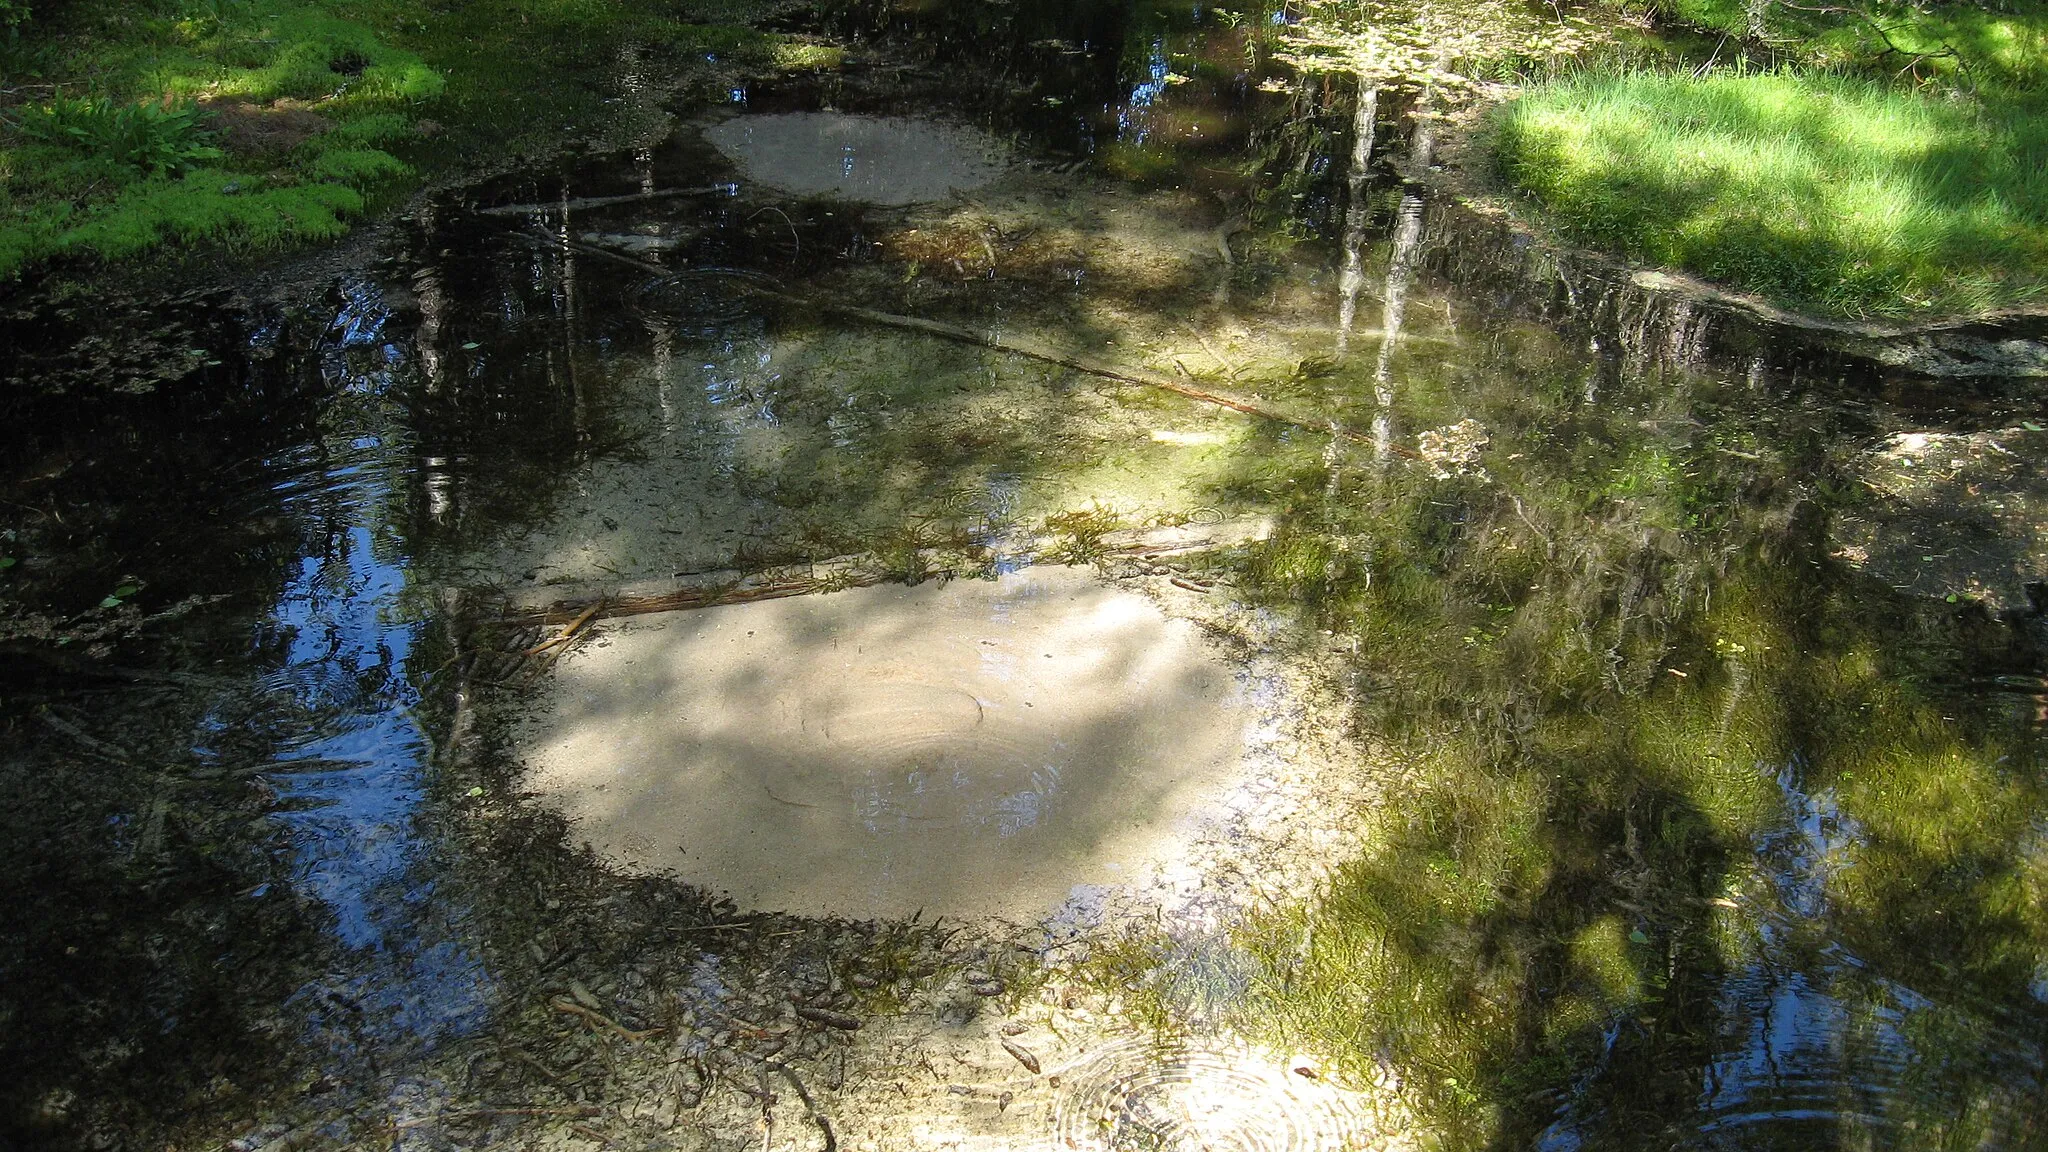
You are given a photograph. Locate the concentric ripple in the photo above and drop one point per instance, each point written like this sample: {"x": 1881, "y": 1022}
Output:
{"x": 1136, "y": 1094}
{"x": 700, "y": 301}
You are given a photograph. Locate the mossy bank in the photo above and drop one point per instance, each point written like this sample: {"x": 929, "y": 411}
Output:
{"x": 176, "y": 126}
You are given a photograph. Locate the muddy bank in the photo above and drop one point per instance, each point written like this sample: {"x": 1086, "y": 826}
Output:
{"x": 1683, "y": 309}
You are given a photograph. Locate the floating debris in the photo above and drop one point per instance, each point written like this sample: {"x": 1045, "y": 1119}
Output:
{"x": 843, "y": 1021}
{"x": 1022, "y": 1055}
{"x": 1957, "y": 516}
{"x": 1453, "y": 450}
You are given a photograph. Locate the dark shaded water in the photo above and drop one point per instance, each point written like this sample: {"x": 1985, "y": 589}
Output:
{"x": 1712, "y": 839}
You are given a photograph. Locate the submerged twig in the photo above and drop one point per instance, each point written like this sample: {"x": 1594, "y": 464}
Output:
{"x": 1029, "y": 349}
{"x": 818, "y": 1117}
{"x": 569, "y": 633}
{"x": 91, "y": 744}
{"x": 602, "y": 201}
{"x": 599, "y": 1020}
{"x": 1229, "y": 367}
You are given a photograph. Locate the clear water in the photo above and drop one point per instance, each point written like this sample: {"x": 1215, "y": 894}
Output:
{"x": 249, "y": 879}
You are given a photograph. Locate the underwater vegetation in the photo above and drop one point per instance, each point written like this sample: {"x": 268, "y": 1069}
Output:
{"x": 1650, "y": 743}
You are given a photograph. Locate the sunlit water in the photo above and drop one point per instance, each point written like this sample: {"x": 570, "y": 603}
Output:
{"x": 241, "y": 877}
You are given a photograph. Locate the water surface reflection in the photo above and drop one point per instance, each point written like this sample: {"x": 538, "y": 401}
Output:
{"x": 1706, "y": 837}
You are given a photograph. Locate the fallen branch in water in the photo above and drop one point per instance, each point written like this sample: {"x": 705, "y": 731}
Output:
{"x": 97, "y": 747}
{"x": 1029, "y": 349}
{"x": 585, "y": 202}
{"x": 855, "y": 572}
{"x": 568, "y": 633}
{"x": 709, "y": 597}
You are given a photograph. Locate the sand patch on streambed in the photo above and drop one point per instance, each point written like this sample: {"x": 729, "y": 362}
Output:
{"x": 983, "y": 748}
{"x": 879, "y": 160}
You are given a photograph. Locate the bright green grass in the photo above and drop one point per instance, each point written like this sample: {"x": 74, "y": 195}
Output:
{"x": 497, "y": 78}
{"x": 75, "y": 199}
{"x": 1825, "y": 193}
{"x": 1974, "y": 45}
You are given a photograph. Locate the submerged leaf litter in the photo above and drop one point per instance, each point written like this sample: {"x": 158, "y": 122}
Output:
{"x": 1525, "y": 719}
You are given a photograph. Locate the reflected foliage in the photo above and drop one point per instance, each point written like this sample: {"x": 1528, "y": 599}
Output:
{"x": 1659, "y": 756}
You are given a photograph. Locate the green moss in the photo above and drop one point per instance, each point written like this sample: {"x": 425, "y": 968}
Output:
{"x": 805, "y": 56}
{"x": 499, "y": 76}
{"x": 355, "y": 166}
{"x": 201, "y": 209}
{"x": 303, "y": 53}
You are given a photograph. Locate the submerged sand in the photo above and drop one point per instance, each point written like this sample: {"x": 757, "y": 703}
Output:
{"x": 879, "y": 160}
{"x": 981, "y": 748}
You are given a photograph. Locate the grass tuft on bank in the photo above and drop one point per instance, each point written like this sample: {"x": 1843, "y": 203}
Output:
{"x": 1826, "y": 193}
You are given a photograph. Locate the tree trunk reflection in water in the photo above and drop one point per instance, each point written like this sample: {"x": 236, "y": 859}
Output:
{"x": 565, "y": 305}
{"x": 1356, "y": 213}
{"x": 664, "y": 374}
{"x": 1400, "y": 272}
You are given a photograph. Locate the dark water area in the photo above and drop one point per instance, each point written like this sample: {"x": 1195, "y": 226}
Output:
{"x": 1721, "y": 821}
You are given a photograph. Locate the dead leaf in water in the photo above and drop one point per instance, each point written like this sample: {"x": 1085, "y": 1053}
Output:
{"x": 1024, "y": 1055}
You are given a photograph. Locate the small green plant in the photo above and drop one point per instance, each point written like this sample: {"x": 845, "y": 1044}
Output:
{"x": 154, "y": 139}
{"x": 213, "y": 15}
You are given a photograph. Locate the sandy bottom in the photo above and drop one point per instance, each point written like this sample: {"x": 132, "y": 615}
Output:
{"x": 977, "y": 749}
{"x": 875, "y": 159}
